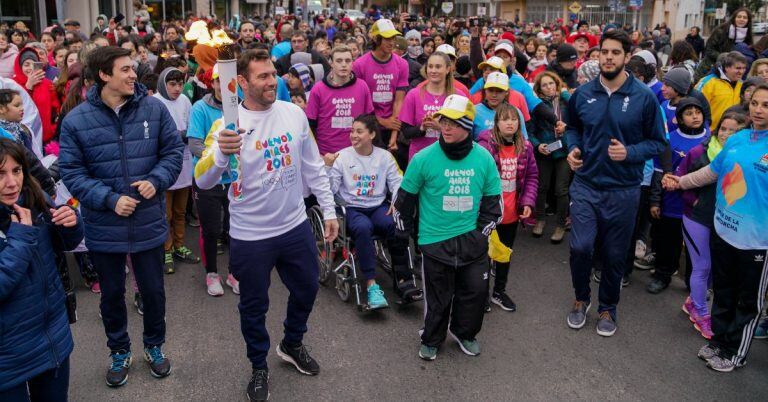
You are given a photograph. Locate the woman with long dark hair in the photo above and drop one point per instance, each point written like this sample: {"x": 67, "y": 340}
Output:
{"x": 738, "y": 29}
{"x": 35, "y": 340}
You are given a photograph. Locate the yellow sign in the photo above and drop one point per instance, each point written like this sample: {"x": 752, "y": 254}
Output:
{"x": 575, "y": 7}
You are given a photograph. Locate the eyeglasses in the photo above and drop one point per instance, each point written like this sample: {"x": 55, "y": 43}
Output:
{"x": 448, "y": 123}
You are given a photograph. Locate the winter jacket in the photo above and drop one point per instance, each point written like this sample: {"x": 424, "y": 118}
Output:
{"x": 697, "y": 42}
{"x": 283, "y": 64}
{"x": 631, "y": 115}
{"x": 750, "y": 54}
{"x": 103, "y": 153}
{"x": 698, "y": 203}
{"x": 527, "y": 177}
{"x": 720, "y": 93}
{"x": 34, "y": 328}
{"x": 45, "y": 98}
{"x": 7, "y": 59}
{"x": 718, "y": 42}
{"x": 542, "y": 132}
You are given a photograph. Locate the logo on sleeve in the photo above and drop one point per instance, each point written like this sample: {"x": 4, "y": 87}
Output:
{"x": 146, "y": 130}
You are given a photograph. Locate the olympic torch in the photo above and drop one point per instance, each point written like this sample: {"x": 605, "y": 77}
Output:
{"x": 227, "y": 65}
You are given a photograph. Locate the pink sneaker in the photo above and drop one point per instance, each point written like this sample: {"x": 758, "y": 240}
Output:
{"x": 213, "y": 282}
{"x": 688, "y": 307}
{"x": 233, "y": 283}
{"x": 95, "y": 287}
{"x": 703, "y": 324}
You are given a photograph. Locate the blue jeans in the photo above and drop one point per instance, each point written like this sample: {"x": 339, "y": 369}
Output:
{"x": 609, "y": 215}
{"x": 48, "y": 386}
{"x": 363, "y": 224}
{"x": 294, "y": 255}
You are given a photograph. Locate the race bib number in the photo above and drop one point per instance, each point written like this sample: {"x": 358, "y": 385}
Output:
{"x": 382, "y": 97}
{"x": 342, "y": 122}
{"x": 457, "y": 203}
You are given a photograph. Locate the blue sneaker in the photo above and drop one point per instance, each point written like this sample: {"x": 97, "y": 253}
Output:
{"x": 761, "y": 332}
{"x": 159, "y": 365}
{"x": 376, "y": 298}
{"x": 117, "y": 375}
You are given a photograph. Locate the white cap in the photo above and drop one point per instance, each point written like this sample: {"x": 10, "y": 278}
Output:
{"x": 498, "y": 80}
{"x": 505, "y": 47}
{"x": 447, "y": 49}
{"x": 647, "y": 57}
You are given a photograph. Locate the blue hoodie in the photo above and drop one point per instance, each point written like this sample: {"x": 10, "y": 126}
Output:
{"x": 631, "y": 115}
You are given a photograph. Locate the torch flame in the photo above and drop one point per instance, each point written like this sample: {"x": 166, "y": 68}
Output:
{"x": 220, "y": 38}
{"x": 199, "y": 32}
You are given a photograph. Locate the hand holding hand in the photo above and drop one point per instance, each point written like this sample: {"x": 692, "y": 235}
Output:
{"x": 670, "y": 182}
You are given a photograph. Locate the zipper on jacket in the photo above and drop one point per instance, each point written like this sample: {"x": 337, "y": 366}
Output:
{"x": 127, "y": 178}
{"x": 44, "y": 280}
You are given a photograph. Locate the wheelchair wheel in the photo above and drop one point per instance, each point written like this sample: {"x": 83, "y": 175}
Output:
{"x": 343, "y": 285}
{"x": 382, "y": 257}
{"x": 324, "y": 252}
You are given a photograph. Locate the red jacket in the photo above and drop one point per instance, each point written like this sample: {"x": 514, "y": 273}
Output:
{"x": 43, "y": 95}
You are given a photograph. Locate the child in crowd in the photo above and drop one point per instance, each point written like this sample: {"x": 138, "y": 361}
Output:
{"x": 169, "y": 85}
{"x": 362, "y": 175}
{"x": 299, "y": 98}
{"x": 11, "y": 113}
{"x": 516, "y": 163}
{"x": 667, "y": 206}
{"x": 698, "y": 217}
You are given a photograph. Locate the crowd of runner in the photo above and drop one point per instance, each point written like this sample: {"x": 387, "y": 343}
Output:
{"x": 442, "y": 135}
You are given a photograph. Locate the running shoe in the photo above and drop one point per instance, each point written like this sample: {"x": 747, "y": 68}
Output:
{"x": 376, "y": 298}
{"x": 688, "y": 305}
{"x": 299, "y": 357}
{"x": 159, "y": 365}
{"x": 707, "y": 352}
{"x": 640, "y": 249}
{"x": 185, "y": 255}
{"x": 504, "y": 301}
{"x": 721, "y": 364}
{"x": 213, "y": 282}
{"x": 95, "y": 287}
{"x": 258, "y": 387}
{"x": 233, "y": 283}
{"x": 117, "y": 374}
{"x": 428, "y": 353}
{"x": 538, "y": 228}
{"x": 647, "y": 262}
{"x": 169, "y": 267}
{"x": 703, "y": 324}
{"x": 470, "y": 347}
{"x": 761, "y": 332}
{"x": 557, "y": 236}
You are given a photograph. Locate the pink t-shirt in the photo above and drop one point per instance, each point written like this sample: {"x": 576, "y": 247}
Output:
{"x": 417, "y": 104}
{"x": 335, "y": 109}
{"x": 383, "y": 80}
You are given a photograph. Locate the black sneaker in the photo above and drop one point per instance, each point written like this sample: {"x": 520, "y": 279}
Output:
{"x": 159, "y": 365}
{"x": 656, "y": 286}
{"x": 138, "y": 301}
{"x": 299, "y": 357}
{"x": 502, "y": 300}
{"x": 117, "y": 374}
{"x": 258, "y": 387}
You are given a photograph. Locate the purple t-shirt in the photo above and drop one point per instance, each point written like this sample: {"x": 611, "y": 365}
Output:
{"x": 335, "y": 109}
{"x": 417, "y": 104}
{"x": 383, "y": 80}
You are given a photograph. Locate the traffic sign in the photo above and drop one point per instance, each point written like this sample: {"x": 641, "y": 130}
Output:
{"x": 575, "y": 7}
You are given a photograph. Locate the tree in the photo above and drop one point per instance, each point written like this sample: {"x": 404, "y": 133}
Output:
{"x": 753, "y": 5}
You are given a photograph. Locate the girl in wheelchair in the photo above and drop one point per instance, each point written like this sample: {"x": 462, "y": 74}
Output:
{"x": 361, "y": 176}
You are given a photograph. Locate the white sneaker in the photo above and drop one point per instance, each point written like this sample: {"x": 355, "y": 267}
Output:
{"x": 640, "y": 249}
{"x": 234, "y": 284}
{"x": 213, "y": 282}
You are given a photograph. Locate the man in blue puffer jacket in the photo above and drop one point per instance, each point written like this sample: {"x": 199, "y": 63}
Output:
{"x": 120, "y": 152}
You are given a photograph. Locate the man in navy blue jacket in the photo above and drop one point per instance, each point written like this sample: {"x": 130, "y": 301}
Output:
{"x": 614, "y": 126}
{"x": 120, "y": 152}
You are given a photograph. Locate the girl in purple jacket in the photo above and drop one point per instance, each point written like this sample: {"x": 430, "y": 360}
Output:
{"x": 698, "y": 215}
{"x": 519, "y": 185}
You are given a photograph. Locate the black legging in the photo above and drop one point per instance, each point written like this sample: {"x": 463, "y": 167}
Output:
{"x": 507, "y": 233}
{"x": 211, "y": 205}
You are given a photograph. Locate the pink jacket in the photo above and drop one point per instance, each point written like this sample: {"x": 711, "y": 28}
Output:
{"x": 7, "y": 59}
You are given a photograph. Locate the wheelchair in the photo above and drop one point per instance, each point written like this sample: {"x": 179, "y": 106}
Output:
{"x": 338, "y": 262}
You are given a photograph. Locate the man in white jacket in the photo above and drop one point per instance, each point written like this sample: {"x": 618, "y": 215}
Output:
{"x": 268, "y": 222}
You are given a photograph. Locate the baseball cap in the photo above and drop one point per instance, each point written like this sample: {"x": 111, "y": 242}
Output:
{"x": 505, "y": 47}
{"x": 497, "y": 80}
{"x": 384, "y": 28}
{"x": 494, "y": 62}
{"x": 447, "y": 49}
{"x": 456, "y": 107}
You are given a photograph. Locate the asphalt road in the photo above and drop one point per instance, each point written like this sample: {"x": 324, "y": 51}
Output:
{"x": 530, "y": 354}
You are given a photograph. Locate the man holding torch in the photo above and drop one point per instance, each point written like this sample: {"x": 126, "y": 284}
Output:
{"x": 268, "y": 224}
